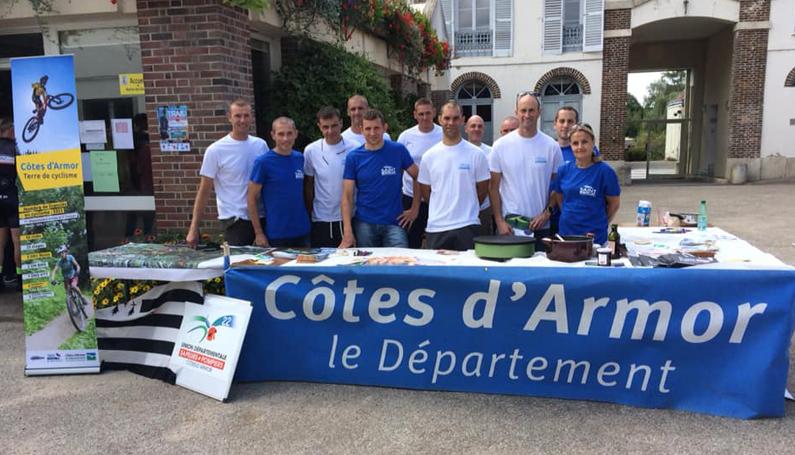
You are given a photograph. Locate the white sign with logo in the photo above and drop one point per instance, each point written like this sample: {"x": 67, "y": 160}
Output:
{"x": 206, "y": 352}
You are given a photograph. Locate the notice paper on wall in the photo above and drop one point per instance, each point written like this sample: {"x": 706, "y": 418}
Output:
{"x": 105, "y": 171}
{"x": 93, "y": 132}
{"x": 208, "y": 346}
{"x": 122, "y": 132}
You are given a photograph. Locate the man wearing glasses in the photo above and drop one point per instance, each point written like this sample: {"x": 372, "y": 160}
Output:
{"x": 522, "y": 164}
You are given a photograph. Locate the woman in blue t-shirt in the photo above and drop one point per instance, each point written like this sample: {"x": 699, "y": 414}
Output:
{"x": 587, "y": 189}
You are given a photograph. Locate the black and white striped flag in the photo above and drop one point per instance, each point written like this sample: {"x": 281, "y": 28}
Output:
{"x": 139, "y": 335}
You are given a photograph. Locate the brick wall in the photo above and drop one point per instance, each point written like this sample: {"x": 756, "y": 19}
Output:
{"x": 746, "y": 98}
{"x": 618, "y": 19}
{"x": 615, "y": 62}
{"x": 754, "y": 10}
{"x": 196, "y": 53}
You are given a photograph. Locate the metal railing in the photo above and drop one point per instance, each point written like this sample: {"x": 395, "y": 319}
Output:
{"x": 472, "y": 43}
{"x": 572, "y": 37}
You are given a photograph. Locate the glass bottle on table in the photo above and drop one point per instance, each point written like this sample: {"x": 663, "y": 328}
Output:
{"x": 702, "y": 216}
{"x": 614, "y": 242}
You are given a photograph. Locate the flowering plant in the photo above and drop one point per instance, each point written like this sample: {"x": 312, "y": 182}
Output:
{"x": 408, "y": 33}
{"x": 108, "y": 292}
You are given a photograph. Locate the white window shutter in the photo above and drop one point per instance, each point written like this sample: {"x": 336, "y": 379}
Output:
{"x": 503, "y": 28}
{"x": 447, "y": 15}
{"x": 593, "y": 24}
{"x": 553, "y": 27}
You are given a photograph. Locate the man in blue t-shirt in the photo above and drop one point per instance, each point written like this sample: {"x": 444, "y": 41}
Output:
{"x": 278, "y": 179}
{"x": 375, "y": 171}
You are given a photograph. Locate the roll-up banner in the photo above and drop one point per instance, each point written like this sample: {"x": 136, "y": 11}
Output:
{"x": 58, "y": 313}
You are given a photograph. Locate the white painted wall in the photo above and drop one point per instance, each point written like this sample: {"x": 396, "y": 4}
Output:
{"x": 515, "y": 78}
{"x": 528, "y": 64}
{"x": 782, "y": 20}
{"x": 779, "y": 108}
{"x": 655, "y": 10}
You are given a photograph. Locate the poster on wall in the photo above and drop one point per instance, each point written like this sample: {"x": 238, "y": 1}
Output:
{"x": 131, "y": 84}
{"x": 58, "y": 313}
{"x": 208, "y": 346}
{"x": 173, "y": 125}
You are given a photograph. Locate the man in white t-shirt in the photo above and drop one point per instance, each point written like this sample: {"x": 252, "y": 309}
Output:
{"x": 324, "y": 164}
{"x": 475, "y": 127}
{"x": 522, "y": 164}
{"x": 226, "y": 167}
{"x": 357, "y": 106}
{"x": 454, "y": 178}
{"x": 418, "y": 139}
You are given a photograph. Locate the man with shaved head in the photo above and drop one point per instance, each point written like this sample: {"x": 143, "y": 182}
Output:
{"x": 522, "y": 164}
{"x": 474, "y": 128}
{"x": 454, "y": 178}
{"x": 357, "y": 106}
{"x": 509, "y": 123}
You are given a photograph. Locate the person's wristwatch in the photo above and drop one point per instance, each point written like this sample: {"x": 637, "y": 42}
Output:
{"x": 549, "y": 209}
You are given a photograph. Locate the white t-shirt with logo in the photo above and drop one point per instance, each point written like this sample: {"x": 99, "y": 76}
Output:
{"x": 350, "y": 136}
{"x": 229, "y": 163}
{"x": 418, "y": 143}
{"x": 326, "y": 164}
{"x": 526, "y": 165}
{"x": 487, "y": 151}
{"x": 452, "y": 172}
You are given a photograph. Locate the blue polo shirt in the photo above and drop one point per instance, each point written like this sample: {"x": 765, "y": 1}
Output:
{"x": 568, "y": 155}
{"x": 584, "y": 204}
{"x": 379, "y": 178}
{"x": 282, "y": 180}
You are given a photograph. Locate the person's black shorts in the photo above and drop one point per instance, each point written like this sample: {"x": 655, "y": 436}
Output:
{"x": 9, "y": 215}
{"x": 460, "y": 239}
{"x": 326, "y": 234}
{"x": 239, "y": 232}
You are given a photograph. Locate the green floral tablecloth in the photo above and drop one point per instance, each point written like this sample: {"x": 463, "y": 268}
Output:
{"x": 158, "y": 256}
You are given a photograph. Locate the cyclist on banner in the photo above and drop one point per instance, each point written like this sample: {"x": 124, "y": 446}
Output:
{"x": 70, "y": 270}
{"x": 39, "y": 97}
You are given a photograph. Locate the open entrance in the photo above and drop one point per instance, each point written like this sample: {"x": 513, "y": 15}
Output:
{"x": 658, "y": 124}
{"x": 680, "y": 73}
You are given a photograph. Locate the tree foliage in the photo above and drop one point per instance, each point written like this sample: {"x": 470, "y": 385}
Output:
{"x": 649, "y": 137}
{"x": 324, "y": 74}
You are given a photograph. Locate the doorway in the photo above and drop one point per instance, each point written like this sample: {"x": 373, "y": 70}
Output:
{"x": 658, "y": 124}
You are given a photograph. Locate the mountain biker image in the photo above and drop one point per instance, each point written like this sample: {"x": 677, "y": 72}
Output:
{"x": 39, "y": 97}
{"x": 70, "y": 270}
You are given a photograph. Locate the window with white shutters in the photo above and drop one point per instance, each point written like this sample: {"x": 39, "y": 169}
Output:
{"x": 479, "y": 27}
{"x": 503, "y": 28}
{"x": 553, "y": 27}
{"x": 447, "y": 16}
{"x": 593, "y": 24}
{"x": 473, "y": 30}
{"x": 573, "y": 26}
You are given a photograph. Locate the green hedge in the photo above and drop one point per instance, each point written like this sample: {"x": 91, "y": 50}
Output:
{"x": 323, "y": 74}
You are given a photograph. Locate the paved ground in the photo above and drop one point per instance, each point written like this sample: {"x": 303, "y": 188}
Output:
{"x": 124, "y": 413}
{"x": 56, "y": 332}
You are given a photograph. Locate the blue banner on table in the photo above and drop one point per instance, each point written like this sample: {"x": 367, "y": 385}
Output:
{"x": 713, "y": 341}
{"x": 59, "y": 324}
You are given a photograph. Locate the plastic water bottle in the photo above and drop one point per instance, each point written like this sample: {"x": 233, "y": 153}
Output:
{"x": 702, "y": 216}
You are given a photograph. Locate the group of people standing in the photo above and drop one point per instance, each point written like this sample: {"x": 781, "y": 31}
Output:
{"x": 431, "y": 188}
